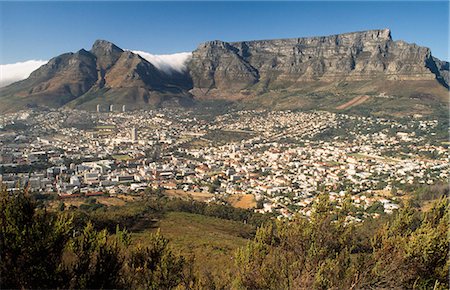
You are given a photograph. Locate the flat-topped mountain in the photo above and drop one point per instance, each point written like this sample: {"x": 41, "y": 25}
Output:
{"x": 313, "y": 72}
{"x": 263, "y": 65}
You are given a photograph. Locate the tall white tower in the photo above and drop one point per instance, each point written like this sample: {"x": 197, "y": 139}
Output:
{"x": 111, "y": 107}
{"x": 134, "y": 135}
{"x": 123, "y": 108}
{"x": 98, "y": 108}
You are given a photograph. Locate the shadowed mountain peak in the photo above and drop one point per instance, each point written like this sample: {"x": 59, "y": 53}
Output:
{"x": 104, "y": 47}
{"x": 107, "y": 53}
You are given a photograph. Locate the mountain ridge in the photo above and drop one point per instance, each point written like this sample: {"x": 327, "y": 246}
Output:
{"x": 364, "y": 62}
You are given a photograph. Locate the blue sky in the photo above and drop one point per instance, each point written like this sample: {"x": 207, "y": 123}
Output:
{"x": 41, "y": 30}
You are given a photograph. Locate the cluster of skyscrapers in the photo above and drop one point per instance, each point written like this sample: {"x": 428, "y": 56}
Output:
{"x": 110, "y": 109}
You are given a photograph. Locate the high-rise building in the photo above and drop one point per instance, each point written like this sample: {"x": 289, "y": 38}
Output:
{"x": 98, "y": 108}
{"x": 123, "y": 108}
{"x": 111, "y": 108}
{"x": 134, "y": 136}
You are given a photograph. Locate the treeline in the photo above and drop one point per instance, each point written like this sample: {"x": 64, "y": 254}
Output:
{"x": 140, "y": 214}
{"x": 44, "y": 249}
{"x": 222, "y": 211}
{"x": 422, "y": 193}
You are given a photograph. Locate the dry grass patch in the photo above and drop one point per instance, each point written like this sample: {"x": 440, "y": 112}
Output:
{"x": 110, "y": 201}
{"x": 199, "y": 196}
{"x": 242, "y": 201}
{"x": 127, "y": 197}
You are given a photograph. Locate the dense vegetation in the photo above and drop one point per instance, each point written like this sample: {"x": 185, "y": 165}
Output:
{"x": 408, "y": 250}
{"x": 81, "y": 249}
{"x": 42, "y": 249}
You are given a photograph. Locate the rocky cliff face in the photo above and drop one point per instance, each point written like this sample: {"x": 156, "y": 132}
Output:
{"x": 270, "y": 64}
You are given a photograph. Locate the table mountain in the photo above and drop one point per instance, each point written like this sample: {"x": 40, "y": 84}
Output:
{"x": 217, "y": 67}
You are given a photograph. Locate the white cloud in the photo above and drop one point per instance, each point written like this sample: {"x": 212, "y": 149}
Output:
{"x": 10, "y": 73}
{"x": 167, "y": 62}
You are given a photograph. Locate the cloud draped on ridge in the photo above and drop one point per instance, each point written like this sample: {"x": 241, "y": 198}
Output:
{"x": 10, "y": 73}
{"x": 167, "y": 62}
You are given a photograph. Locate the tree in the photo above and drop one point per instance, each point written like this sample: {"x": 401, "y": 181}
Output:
{"x": 97, "y": 259}
{"x": 154, "y": 266}
{"x": 31, "y": 242}
{"x": 254, "y": 262}
{"x": 411, "y": 251}
{"x": 61, "y": 206}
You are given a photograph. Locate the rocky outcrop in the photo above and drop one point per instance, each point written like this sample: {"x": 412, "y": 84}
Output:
{"x": 270, "y": 64}
{"x": 106, "y": 53}
{"x": 441, "y": 71}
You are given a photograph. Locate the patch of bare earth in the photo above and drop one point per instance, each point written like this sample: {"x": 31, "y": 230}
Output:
{"x": 353, "y": 102}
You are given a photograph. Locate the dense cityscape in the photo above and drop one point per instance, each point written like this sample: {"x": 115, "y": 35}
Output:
{"x": 279, "y": 161}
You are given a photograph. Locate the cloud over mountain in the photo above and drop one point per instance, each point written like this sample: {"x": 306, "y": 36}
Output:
{"x": 167, "y": 62}
{"x": 10, "y": 73}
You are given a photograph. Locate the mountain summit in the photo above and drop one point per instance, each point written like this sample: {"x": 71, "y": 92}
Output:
{"x": 310, "y": 72}
{"x": 106, "y": 52}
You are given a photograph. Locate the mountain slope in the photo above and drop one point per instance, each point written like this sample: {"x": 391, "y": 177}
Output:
{"x": 67, "y": 76}
{"x": 104, "y": 75}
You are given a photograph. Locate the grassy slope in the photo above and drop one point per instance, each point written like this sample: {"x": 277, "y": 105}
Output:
{"x": 405, "y": 98}
{"x": 212, "y": 240}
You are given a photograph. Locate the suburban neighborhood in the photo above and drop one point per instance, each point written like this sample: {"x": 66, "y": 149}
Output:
{"x": 283, "y": 159}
